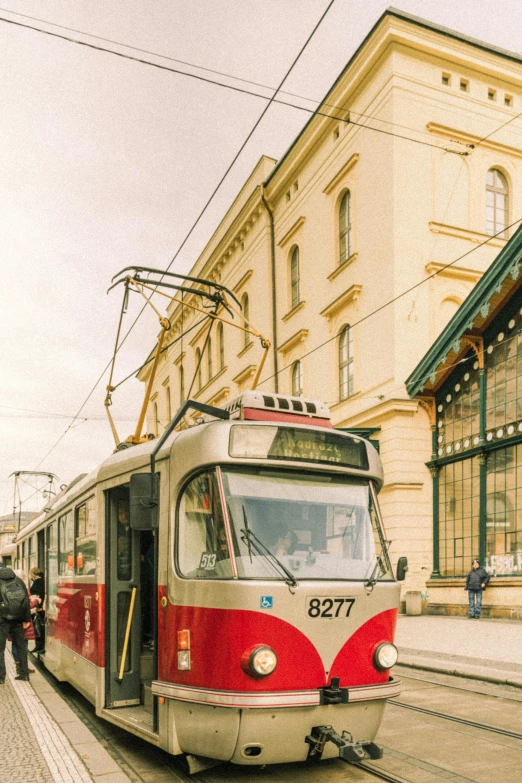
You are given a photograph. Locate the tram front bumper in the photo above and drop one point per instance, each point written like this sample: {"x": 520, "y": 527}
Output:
{"x": 270, "y": 728}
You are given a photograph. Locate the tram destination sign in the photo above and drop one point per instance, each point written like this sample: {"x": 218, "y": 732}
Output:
{"x": 297, "y": 445}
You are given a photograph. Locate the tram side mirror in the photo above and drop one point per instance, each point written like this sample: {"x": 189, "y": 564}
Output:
{"x": 402, "y": 567}
{"x": 144, "y": 500}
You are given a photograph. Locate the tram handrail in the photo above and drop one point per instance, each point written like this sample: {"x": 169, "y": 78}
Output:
{"x": 211, "y": 410}
{"x": 127, "y": 635}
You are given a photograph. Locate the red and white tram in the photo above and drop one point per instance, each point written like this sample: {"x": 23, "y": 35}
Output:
{"x": 226, "y": 592}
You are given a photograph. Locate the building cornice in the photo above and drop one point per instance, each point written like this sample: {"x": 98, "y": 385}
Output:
{"x": 394, "y": 28}
{"x": 469, "y": 138}
{"x": 350, "y": 163}
{"x": 351, "y": 295}
{"x": 293, "y": 341}
{"x": 245, "y": 374}
{"x": 291, "y": 231}
{"x": 453, "y": 272}
{"x": 293, "y": 311}
{"x": 340, "y": 269}
{"x": 242, "y": 281}
{"x": 464, "y": 233}
{"x": 380, "y": 412}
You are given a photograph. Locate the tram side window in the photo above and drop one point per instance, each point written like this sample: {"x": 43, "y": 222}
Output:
{"x": 32, "y": 553}
{"x": 66, "y": 545}
{"x": 86, "y": 538}
{"x": 52, "y": 569}
{"x": 202, "y": 542}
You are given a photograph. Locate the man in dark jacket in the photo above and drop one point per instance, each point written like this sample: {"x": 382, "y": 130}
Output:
{"x": 476, "y": 582}
{"x": 15, "y": 615}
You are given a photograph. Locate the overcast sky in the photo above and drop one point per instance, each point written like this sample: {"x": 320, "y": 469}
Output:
{"x": 106, "y": 162}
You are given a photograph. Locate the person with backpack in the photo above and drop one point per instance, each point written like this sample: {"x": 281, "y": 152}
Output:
{"x": 15, "y": 616}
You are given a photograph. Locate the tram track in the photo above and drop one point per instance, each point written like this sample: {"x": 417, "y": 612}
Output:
{"x": 486, "y": 687}
{"x": 456, "y": 719}
{"x": 116, "y": 742}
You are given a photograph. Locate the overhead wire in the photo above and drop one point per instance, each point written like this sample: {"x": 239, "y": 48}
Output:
{"x": 244, "y": 91}
{"x": 394, "y": 299}
{"x": 271, "y": 100}
{"x": 318, "y": 101}
{"x": 236, "y": 156}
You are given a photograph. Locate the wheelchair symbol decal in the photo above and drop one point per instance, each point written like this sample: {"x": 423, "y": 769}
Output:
{"x": 267, "y": 602}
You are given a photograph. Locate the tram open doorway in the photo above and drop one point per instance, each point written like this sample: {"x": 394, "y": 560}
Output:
{"x": 131, "y": 642}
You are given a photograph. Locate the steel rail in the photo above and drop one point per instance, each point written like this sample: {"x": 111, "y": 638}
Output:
{"x": 474, "y": 684}
{"x": 456, "y": 719}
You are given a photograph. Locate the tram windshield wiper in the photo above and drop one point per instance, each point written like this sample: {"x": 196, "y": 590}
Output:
{"x": 378, "y": 569}
{"x": 253, "y": 542}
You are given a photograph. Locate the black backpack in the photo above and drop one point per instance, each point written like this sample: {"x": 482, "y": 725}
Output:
{"x": 14, "y": 600}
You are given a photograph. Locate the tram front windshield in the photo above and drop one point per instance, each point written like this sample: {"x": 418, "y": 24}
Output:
{"x": 317, "y": 526}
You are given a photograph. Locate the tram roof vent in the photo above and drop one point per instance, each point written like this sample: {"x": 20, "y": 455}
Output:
{"x": 258, "y": 406}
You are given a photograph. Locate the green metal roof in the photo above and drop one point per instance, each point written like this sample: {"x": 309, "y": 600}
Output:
{"x": 472, "y": 317}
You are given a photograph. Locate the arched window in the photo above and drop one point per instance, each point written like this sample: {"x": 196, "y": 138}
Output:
{"x": 345, "y": 227}
{"x": 295, "y": 278}
{"x": 198, "y": 368}
{"x": 496, "y": 203}
{"x": 181, "y": 385}
{"x": 168, "y": 405}
{"x": 297, "y": 379}
{"x": 221, "y": 344}
{"x": 156, "y": 420}
{"x": 345, "y": 363}
{"x": 246, "y": 318}
{"x": 209, "y": 358}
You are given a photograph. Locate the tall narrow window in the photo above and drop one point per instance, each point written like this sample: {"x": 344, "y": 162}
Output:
{"x": 345, "y": 227}
{"x": 156, "y": 419}
{"x": 209, "y": 358}
{"x": 167, "y": 403}
{"x": 246, "y": 319}
{"x": 496, "y": 203}
{"x": 295, "y": 278}
{"x": 221, "y": 344}
{"x": 181, "y": 384}
{"x": 297, "y": 379}
{"x": 345, "y": 363}
{"x": 198, "y": 368}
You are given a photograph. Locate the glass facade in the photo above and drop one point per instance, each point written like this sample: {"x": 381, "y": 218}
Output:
{"x": 478, "y": 456}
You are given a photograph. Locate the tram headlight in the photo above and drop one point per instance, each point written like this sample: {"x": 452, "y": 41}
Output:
{"x": 385, "y": 656}
{"x": 259, "y": 661}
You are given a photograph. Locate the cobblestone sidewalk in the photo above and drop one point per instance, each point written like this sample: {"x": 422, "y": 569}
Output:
{"x": 32, "y": 747}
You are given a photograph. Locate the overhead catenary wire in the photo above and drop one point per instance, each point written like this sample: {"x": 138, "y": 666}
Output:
{"x": 314, "y": 112}
{"x": 317, "y": 101}
{"x": 202, "y": 212}
{"x": 271, "y": 100}
{"x": 394, "y": 299}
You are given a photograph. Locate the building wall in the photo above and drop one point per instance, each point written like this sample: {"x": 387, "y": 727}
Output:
{"x": 415, "y": 208}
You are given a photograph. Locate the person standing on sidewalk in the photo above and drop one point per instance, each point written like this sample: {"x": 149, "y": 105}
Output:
{"x": 476, "y": 582}
{"x": 15, "y": 616}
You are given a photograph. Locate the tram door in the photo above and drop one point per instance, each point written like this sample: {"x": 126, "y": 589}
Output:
{"x": 123, "y": 604}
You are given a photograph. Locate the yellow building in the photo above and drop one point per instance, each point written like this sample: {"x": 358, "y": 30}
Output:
{"x": 412, "y": 162}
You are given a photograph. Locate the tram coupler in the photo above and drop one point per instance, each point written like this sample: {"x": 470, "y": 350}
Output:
{"x": 349, "y": 750}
